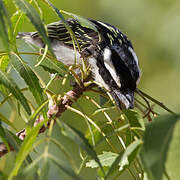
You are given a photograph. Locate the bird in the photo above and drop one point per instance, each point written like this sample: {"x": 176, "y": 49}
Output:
{"x": 112, "y": 59}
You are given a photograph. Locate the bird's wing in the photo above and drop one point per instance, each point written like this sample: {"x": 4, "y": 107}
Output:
{"x": 58, "y": 31}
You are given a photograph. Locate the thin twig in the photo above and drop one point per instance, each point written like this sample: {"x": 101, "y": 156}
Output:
{"x": 155, "y": 101}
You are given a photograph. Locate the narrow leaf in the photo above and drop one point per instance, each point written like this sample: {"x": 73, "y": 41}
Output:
{"x": 83, "y": 21}
{"x": 67, "y": 170}
{"x": 54, "y": 66}
{"x": 13, "y": 88}
{"x": 3, "y": 137}
{"x": 30, "y": 78}
{"x": 17, "y": 20}
{"x": 135, "y": 119}
{"x": 6, "y": 121}
{"x": 25, "y": 149}
{"x": 130, "y": 154}
{"x": 35, "y": 19}
{"x": 78, "y": 138}
{"x": 106, "y": 159}
{"x": 3, "y": 25}
{"x": 157, "y": 138}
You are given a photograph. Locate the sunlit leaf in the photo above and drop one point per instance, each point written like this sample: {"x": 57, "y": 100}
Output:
{"x": 25, "y": 149}
{"x": 13, "y": 88}
{"x": 123, "y": 160}
{"x": 106, "y": 159}
{"x": 157, "y": 138}
{"x": 35, "y": 19}
{"x": 4, "y": 61}
{"x": 17, "y": 20}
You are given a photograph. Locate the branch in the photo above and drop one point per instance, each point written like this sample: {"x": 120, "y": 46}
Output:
{"x": 54, "y": 112}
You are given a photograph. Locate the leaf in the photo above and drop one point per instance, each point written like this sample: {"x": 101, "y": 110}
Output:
{"x": 3, "y": 25}
{"x": 25, "y": 149}
{"x": 78, "y": 138}
{"x": 157, "y": 138}
{"x": 54, "y": 66}
{"x": 35, "y": 19}
{"x": 83, "y": 21}
{"x": 3, "y": 137}
{"x": 17, "y": 20}
{"x": 125, "y": 158}
{"x": 74, "y": 39}
{"x": 135, "y": 119}
{"x": 13, "y": 139}
{"x": 13, "y": 88}
{"x": 6, "y": 121}
{"x": 130, "y": 154}
{"x": 106, "y": 159}
{"x": 4, "y": 61}
{"x": 67, "y": 170}
{"x": 173, "y": 158}
{"x": 114, "y": 165}
{"x": 45, "y": 170}
{"x": 30, "y": 78}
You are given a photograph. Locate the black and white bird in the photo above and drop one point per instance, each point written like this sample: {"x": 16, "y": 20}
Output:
{"x": 114, "y": 64}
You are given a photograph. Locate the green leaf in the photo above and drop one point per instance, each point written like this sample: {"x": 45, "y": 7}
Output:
{"x": 13, "y": 88}
{"x": 25, "y": 149}
{"x": 78, "y": 138}
{"x": 54, "y": 66}
{"x": 3, "y": 25}
{"x": 30, "y": 78}
{"x": 83, "y": 21}
{"x": 6, "y": 121}
{"x": 135, "y": 119}
{"x": 124, "y": 158}
{"x": 17, "y": 20}
{"x": 66, "y": 169}
{"x": 74, "y": 39}
{"x": 114, "y": 165}
{"x": 130, "y": 154}
{"x": 35, "y": 19}
{"x": 13, "y": 140}
{"x": 173, "y": 158}
{"x": 4, "y": 61}
{"x": 106, "y": 159}
{"x": 3, "y": 137}
{"x": 157, "y": 138}
{"x": 45, "y": 170}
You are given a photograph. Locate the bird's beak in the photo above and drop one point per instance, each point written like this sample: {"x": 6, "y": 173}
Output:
{"x": 124, "y": 100}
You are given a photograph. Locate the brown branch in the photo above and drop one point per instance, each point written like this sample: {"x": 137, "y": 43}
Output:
{"x": 54, "y": 112}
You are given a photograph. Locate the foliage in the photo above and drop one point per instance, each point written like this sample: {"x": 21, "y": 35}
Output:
{"x": 89, "y": 134}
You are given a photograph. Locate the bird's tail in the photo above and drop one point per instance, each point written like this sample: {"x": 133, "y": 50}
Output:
{"x": 124, "y": 100}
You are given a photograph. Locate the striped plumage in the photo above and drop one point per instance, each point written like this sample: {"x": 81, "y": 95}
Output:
{"x": 113, "y": 61}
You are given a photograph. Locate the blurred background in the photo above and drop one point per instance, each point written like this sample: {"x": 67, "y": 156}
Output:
{"x": 153, "y": 26}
